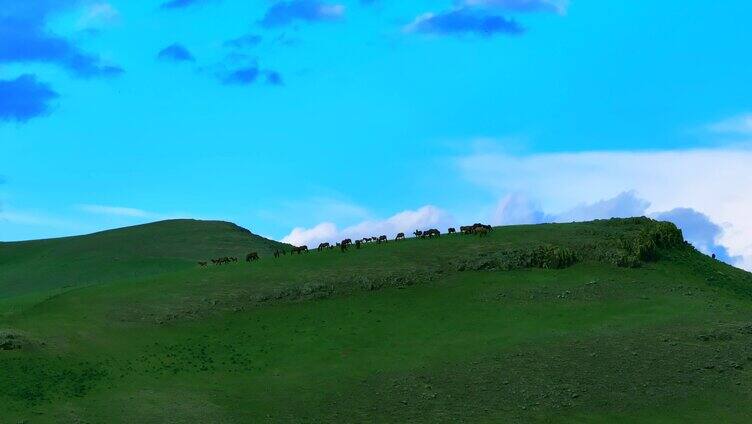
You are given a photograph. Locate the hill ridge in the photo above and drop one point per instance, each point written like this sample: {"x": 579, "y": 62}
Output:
{"x": 126, "y": 252}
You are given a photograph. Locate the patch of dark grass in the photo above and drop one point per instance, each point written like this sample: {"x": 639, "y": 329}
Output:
{"x": 31, "y": 381}
{"x": 602, "y": 373}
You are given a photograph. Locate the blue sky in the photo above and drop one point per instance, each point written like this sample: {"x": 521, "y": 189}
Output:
{"x": 308, "y": 119}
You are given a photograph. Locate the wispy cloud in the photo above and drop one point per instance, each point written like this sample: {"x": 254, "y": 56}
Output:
{"x": 24, "y": 98}
{"x": 248, "y": 40}
{"x": 35, "y": 219}
{"x": 182, "y": 4}
{"x": 98, "y": 15}
{"x": 482, "y": 17}
{"x": 117, "y": 211}
{"x": 25, "y": 39}
{"x": 554, "y": 6}
{"x": 740, "y": 125}
{"x": 464, "y": 21}
{"x": 284, "y": 13}
{"x": 175, "y": 53}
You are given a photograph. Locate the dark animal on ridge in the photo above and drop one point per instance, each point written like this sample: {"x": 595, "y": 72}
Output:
{"x": 299, "y": 249}
{"x": 322, "y": 246}
{"x": 481, "y": 230}
{"x": 432, "y": 232}
{"x": 384, "y": 239}
{"x": 418, "y": 233}
{"x": 347, "y": 241}
{"x": 400, "y": 236}
{"x": 342, "y": 247}
{"x": 220, "y": 261}
{"x": 451, "y": 230}
{"x": 253, "y": 256}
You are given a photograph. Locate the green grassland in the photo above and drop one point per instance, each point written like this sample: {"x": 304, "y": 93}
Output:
{"x": 606, "y": 321}
{"x": 41, "y": 265}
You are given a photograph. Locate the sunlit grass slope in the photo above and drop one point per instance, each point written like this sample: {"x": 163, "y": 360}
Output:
{"x": 132, "y": 252}
{"x": 608, "y": 321}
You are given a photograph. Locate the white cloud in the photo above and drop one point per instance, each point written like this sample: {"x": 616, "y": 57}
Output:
{"x": 98, "y": 15}
{"x": 624, "y": 205}
{"x": 516, "y": 209}
{"x": 714, "y": 182}
{"x": 519, "y": 208}
{"x": 737, "y": 125}
{"x": 698, "y": 230}
{"x": 116, "y": 211}
{"x": 332, "y": 11}
{"x": 403, "y": 222}
{"x": 325, "y": 231}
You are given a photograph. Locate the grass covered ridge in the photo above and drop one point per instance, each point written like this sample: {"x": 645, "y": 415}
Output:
{"x": 133, "y": 252}
{"x": 616, "y": 321}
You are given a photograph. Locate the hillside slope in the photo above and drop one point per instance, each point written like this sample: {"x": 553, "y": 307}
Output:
{"x": 606, "y": 321}
{"x": 132, "y": 252}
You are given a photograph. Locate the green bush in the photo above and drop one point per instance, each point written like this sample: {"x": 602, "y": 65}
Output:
{"x": 553, "y": 257}
{"x": 632, "y": 250}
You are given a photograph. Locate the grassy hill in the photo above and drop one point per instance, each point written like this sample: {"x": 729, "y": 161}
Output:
{"x": 607, "y": 321}
{"x": 133, "y": 252}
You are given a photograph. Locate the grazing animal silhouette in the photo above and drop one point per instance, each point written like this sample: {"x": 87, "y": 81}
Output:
{"x": 466, "y": 229}
{"x": 384, "y": 239}
{"x": 202, "y": 263}
{"x": 713, "y": 256}
{"x": 299, "y": 249}
{"x": 418, "y": 233}
{"x": 253, "y": 256}
{"x": 481, "y": 230}
{"x": 347, "y": 241}
{"x": 432, "y": 232}
{"x": 343, "y": 247}
{"x": 400, "y": 236}
{"x": 451, "y": 230}
{"x": 322, "y": 246}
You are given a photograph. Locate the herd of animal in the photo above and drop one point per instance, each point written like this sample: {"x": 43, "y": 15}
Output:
{"x": 477, "y": 228}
